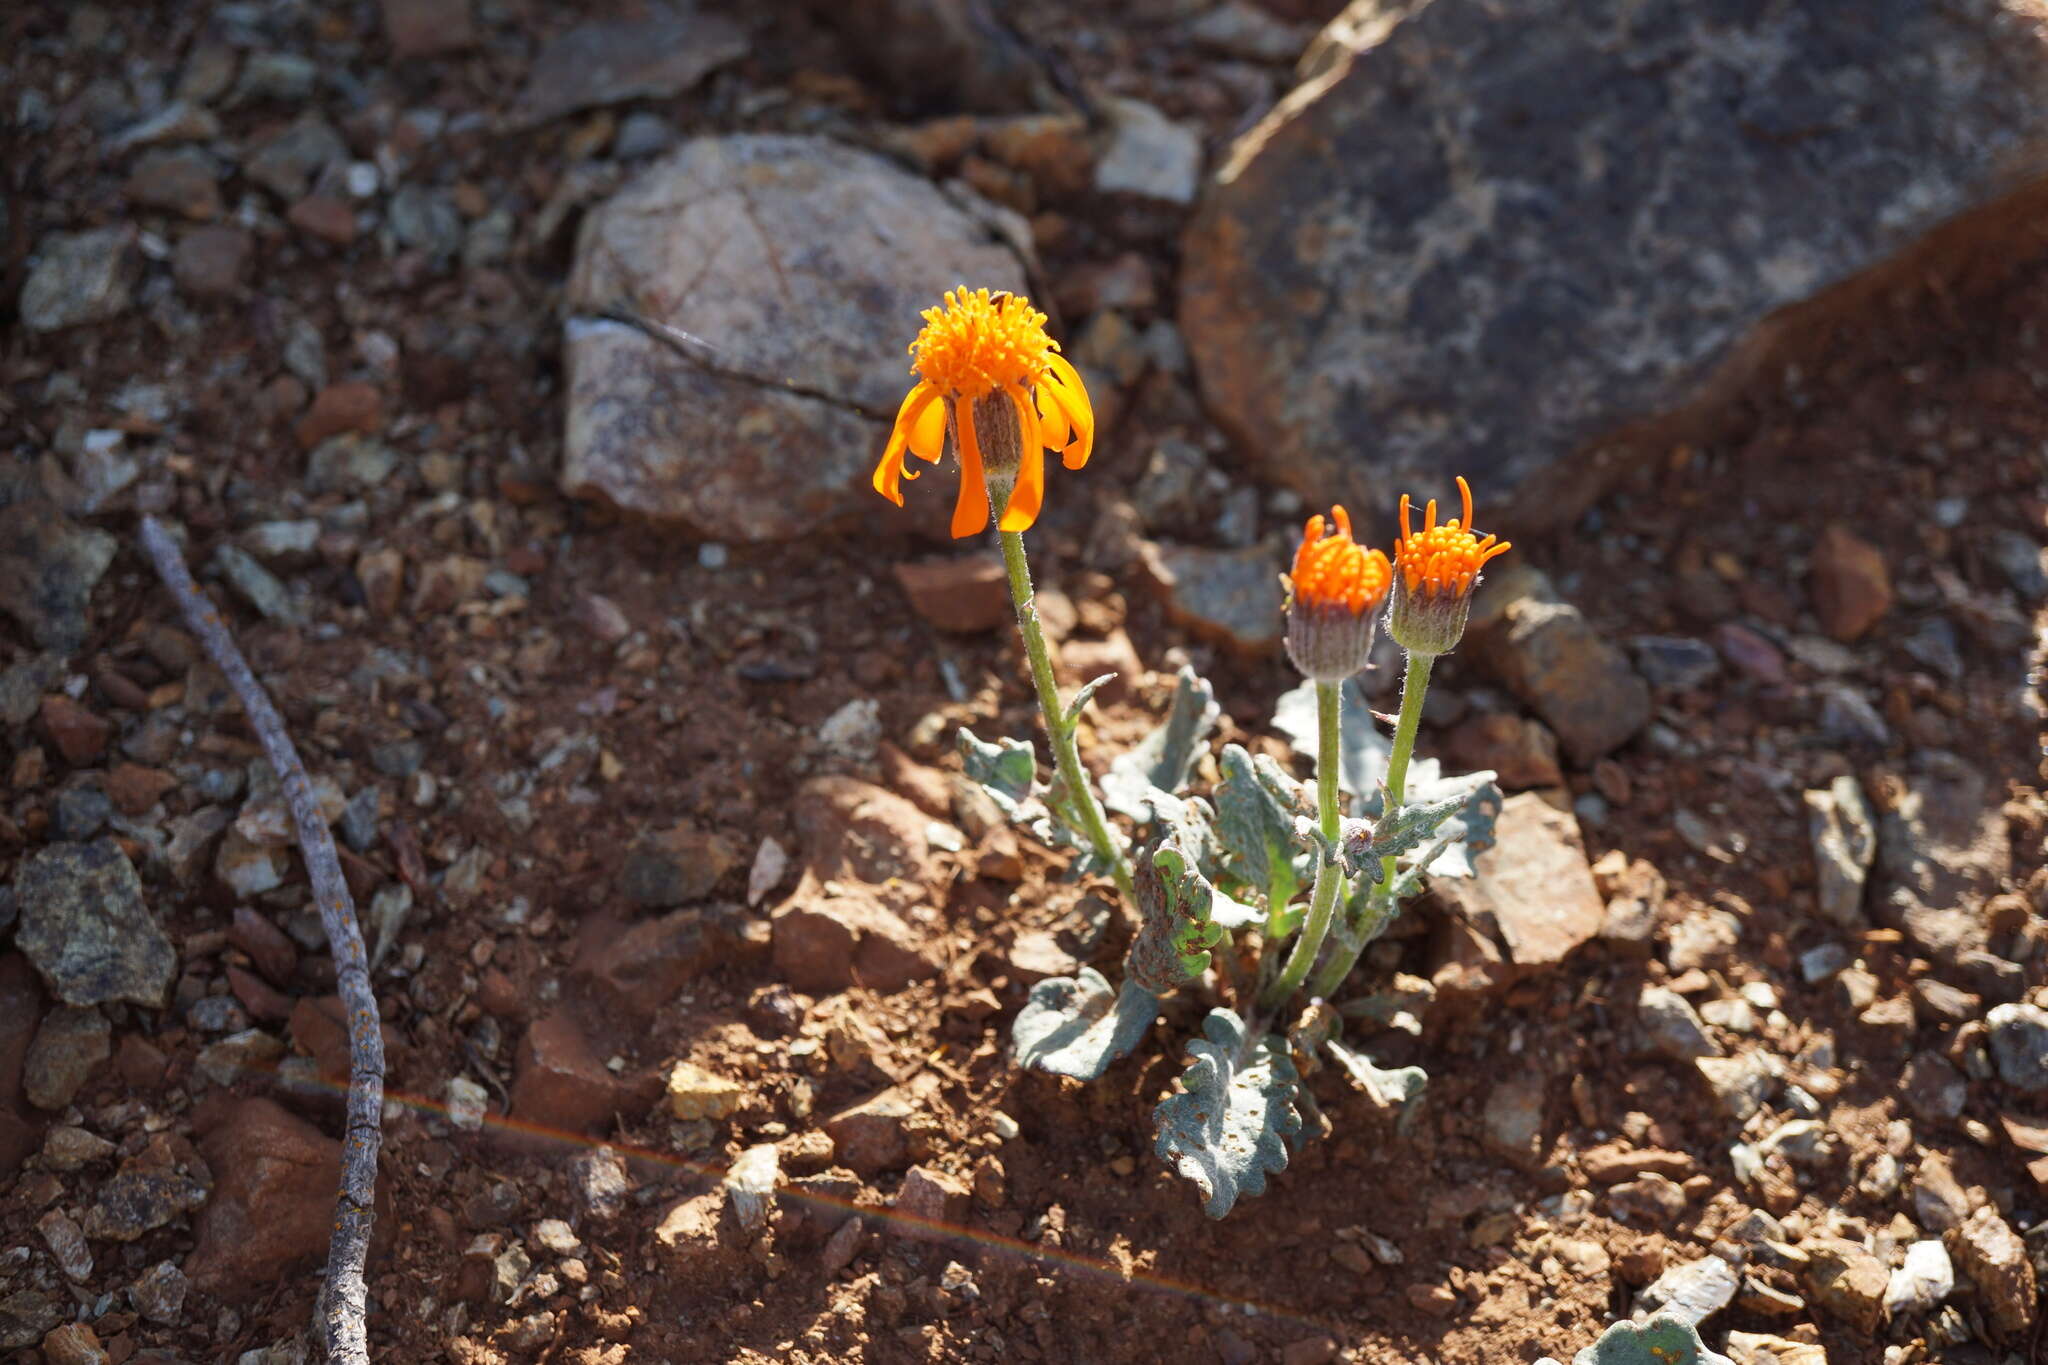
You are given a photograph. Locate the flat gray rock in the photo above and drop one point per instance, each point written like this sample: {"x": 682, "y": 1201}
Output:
{"x": 85, "y": 927}
{"x": 1493, "y": 235}
{"x": 792, "y": 271}
{"x": 662, "y": 51}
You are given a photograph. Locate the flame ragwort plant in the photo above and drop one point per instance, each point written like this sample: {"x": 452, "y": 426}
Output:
{"x": 1215, "y": 880}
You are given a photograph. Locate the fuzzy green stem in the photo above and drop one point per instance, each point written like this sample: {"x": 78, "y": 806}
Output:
{"x": 1066, "y": 755}
{"x": 1323, "y": 900}
{"x": 1414, "y": 686}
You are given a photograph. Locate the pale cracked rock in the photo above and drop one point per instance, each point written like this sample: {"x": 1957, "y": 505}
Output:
{"x": 1469, "y": 245}
{"x": 1943, "y": 847}
{"x": 1847, "y": 1281}
{"x": 1672, "y": 1027}
{"x": 1533, "y": 889}
{"x": 799, "y": 259}
{"x": 1693, "y": 1291}
{"x": 1553, "y": 658}
{"x": 694, "y": 1093}
{"x": 80, "y": 277}
{"x": 1993, "y": 1257}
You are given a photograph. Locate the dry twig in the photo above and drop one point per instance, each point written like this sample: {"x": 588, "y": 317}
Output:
{"x": 344, "y": 1296}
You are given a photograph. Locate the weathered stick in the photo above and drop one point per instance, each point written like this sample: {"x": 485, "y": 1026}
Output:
{"x": 345, "y": 1296}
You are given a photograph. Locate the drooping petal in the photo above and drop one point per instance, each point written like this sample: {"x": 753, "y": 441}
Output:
{"x": 1029, "y": 429}
{"x": 970, "y": 513}
{"x": 1076, "y": 452}
{"x": 1051, "y": 420}
{"x": 1070, "y": 377}
{"x": 890, "y": 473}
{"x": 928, "y": 433}
{"x": 1029, "y": 494}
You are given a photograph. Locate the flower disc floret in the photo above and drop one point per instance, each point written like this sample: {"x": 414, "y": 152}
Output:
{"x": 978, "y": 343}
{"x": 1332, "y": 569}
{"x": 1443, "y": 559}
{"x": 1435, "y": 573}
{"x": 994, "y": 386}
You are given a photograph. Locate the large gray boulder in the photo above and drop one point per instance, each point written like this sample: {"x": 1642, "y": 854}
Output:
{"x": 1485, "y": 234}
{"x": 790, "y": 273}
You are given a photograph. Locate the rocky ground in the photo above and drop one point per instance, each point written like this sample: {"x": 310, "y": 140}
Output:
{"x": 696, "y": 955}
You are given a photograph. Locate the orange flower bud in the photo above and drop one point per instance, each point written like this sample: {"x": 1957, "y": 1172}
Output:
{"x": 1334, "y": 597}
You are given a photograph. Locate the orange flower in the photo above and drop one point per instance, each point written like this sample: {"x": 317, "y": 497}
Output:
{"x": 1333, "y": 599}
{"x": 1434, "y": 576}
{"x": 1331, "y": 569}
{"x": 989, "y": 374}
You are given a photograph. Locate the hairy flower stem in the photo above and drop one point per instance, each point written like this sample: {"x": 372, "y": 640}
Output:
{"x": 1066, "y": 755}
{"x": 1329, "y": 876}
{"x": 1414, "y": 686}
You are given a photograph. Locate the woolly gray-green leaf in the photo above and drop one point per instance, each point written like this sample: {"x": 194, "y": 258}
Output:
{"x": 1663, "y": 1340}
{"x": 1229, "y": 1126}
{"x": 1363, "y": 751}
{"x": 1397, "y": 1089}
{"x": 1076, "y": 1025}
{"x": 1480, "y": 798}
{"x": 1007, "y": 770}
{"x": 1256, "y": 805}
{"x": 1162, "y": 760}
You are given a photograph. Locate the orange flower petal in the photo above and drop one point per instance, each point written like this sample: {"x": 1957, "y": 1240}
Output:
{"x": 928, "y": 433}
{"x": 1076, "y": 452}
{"x": 1029, "y": 494}
{"x": 1052, "y": 421}
{"x": 970, "y": 513}
{"x": 1064, "y": 371}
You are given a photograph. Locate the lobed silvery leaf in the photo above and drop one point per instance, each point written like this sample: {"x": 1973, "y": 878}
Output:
{"x": 1480, "y": 801}
{"x": 1229, "y": 1126}
{"x": 1191, "y": 824}
{"x": 1007, "y": 770}
{"x": 1082, "y": 698}
{"x": 1366, "y": 842}
{"x": 1257, "y": 804}
{"x": 1663, "y": 1340}
{"x": 1161, "y": 761}
{"x": 1398, "y": 1089}
{"x": 1363, "y": 752}
{"x": 1076, "y": 1025}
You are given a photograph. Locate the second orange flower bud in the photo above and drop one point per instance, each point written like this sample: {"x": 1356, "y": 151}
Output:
{"x": 1334, "y": 598}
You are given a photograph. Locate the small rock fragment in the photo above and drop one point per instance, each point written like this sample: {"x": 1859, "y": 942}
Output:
{"x": 931, "y": 1202}
{"x": 694, "y": 1093}
{"x": 1693, "y": 1291}
{"x": 1847, "y": 1281}
{"x": 1993, "y": 1257}
{"x": 68, "y": 1047}
{"x": 966, "y": 595}
{"x": 1851, "y": 586}
{"x": 1844, "y": 837}
{"x": 1922, "y": 1282}
{"x": 2019, "y": 1045}
{"x": 1673, "y": 1027}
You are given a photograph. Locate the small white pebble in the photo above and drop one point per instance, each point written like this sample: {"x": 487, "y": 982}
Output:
{"x": 1005, "y": 1126}
{"x": 711, "y": 555}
